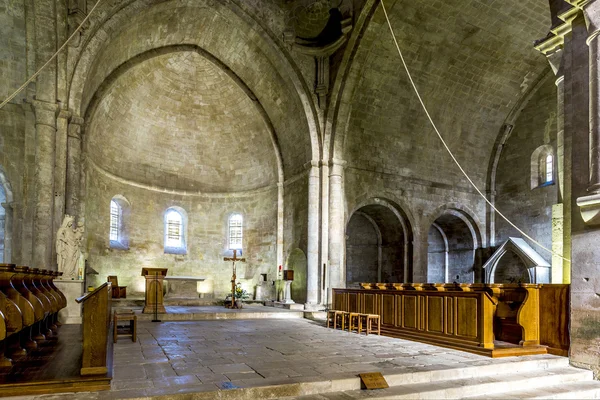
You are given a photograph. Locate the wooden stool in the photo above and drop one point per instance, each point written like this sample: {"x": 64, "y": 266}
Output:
{"x": 352, "y": 317}
{"x": 369, "y": 319}
{"x": 125, "y": 315}
{"x": 341, "y": 315}
{"x": 331, "y": 315}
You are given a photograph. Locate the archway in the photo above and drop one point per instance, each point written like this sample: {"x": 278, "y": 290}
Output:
{"x": 377, "y": 246}
{"x": 451, "y": 249}
{"x": 297, "y": 262}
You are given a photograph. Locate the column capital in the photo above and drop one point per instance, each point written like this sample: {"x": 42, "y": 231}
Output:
{"x": 64, "y": 114}
{"x": 339, "y": 162}
{"x": 41, "y": 105}
{"x": 309, "y": 165}
{"x": 76, "y": 120}
{"x": 591, "y": 12}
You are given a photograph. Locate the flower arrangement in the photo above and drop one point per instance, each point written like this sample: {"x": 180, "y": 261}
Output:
{"x": 241, "y": 293}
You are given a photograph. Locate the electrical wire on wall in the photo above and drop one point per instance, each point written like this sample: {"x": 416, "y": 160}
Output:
{"x": 439, "y": 135}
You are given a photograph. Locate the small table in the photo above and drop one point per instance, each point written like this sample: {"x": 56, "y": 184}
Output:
{"x": 182, "y": 287}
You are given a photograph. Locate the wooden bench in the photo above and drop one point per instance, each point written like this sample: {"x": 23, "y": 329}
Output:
{"x": 118, "y": 292}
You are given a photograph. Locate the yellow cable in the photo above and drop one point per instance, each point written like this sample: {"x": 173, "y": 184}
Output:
{"x": 448, "y": 149}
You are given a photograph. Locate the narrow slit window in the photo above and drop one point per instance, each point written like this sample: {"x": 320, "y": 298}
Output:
{"x": 549, "y": 168}
{"x": 174, "y": 229}
{"x": 115, "y": 221}
{"x": 235, "y": 231}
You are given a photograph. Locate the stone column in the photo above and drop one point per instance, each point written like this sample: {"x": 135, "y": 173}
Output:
{"x": 60, "y": 170}
{"x": 592, "y": 12}
{"x": 73, "y": 165}
{"x": 45, "y": 124}
{"x": 8, "y": 230}
{"x": 324, "y": 240}
{"x": 337, "y": 275}
{"x": 45, "y": 109}
{"x": 312, "y": 279}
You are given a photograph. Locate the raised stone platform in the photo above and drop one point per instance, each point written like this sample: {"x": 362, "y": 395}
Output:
{"x": 204, "y": 313}
{"x": 270, "y": 359}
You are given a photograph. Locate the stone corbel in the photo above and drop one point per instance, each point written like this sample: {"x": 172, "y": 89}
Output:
{"x": 75, "y": 127}
{"x": 321, "y": 55}
{"x": 589, "y": 206}
{"x": 77, "y": 14}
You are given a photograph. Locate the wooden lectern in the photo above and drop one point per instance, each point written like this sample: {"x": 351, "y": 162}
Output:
{"x": 154, "y": 289}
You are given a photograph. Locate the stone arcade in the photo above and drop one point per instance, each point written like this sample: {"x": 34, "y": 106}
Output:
{"x": 175, "y": 132}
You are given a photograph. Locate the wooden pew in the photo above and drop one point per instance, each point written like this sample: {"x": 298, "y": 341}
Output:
{"x": 97, "y": 325}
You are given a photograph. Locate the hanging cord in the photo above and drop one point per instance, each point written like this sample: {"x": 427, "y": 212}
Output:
{"x": 448, "y": 149}
{"x": 12, "y": 96}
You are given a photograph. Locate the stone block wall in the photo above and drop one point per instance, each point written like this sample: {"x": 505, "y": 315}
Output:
{"x": 530, "y": 209}
{"x": 206, "y": 236}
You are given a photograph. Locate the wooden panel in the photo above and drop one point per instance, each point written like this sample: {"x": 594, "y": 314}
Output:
{"x": 554, "y": 318}
{"x": 466, "y": 316}
{"x": 369, "y": 307}
{"x": 388, "y": 303}
{"x": 435, "y": 314}
{"x": 353, "y": 303}
{"x": 450, "y": 320}
{"x": 410, "y": 312}
{"x": 338, "y": 301}
{"x": 399, "y": 309}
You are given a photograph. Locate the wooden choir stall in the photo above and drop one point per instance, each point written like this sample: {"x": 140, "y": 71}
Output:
{"x": 39, "y": 354}
{"x": 497, "y": 320}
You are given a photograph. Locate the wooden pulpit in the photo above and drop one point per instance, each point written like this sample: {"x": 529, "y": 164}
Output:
{"x": 154, "y": 289}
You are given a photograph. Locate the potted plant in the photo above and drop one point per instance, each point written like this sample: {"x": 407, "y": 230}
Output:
{"x": 240, "y": 294}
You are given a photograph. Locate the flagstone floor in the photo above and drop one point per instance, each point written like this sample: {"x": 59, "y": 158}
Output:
{"x": 197, "y": 356}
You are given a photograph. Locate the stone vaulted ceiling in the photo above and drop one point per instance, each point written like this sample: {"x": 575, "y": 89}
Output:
{"x": 177, "y": 121}
{"x": 472, "y": 61}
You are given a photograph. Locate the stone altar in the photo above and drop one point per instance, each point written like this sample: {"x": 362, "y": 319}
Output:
{"x": 182, "y": 287}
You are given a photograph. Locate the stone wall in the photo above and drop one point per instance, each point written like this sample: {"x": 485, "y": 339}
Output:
{"x": 207, "y": 218}
{"x": 13, "y": 70}
{"x": 530, "y": 209}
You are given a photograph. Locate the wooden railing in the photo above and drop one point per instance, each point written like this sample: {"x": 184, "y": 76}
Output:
{"x": 97, "y": 324}
{"x": 29, "y": 305}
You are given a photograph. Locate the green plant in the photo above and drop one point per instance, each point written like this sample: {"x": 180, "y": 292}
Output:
{"x": 241, "y": 293}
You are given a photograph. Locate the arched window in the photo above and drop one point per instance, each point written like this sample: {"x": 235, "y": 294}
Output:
{"x": 236, "y": 222}
{"x": 119, "y": 213}
{"x": 115, "y": 220}
{"x": 549, "y": 166}
{"x": 175, "y": 231}
{"x": 542, "y": 166}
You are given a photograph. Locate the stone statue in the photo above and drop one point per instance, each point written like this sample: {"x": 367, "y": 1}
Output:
{"x": 68, "y": 253}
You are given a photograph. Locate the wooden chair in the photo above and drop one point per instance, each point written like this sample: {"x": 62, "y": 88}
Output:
{"x": 125, "y": 315}
{"x": 118, "y": 292}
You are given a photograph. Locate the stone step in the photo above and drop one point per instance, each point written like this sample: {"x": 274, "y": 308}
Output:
{"x": 477, "y": 385}
{"x": 571, "y": 390}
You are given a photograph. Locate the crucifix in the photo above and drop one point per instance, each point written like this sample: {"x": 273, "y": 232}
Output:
{"x": 233, "y": 277}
